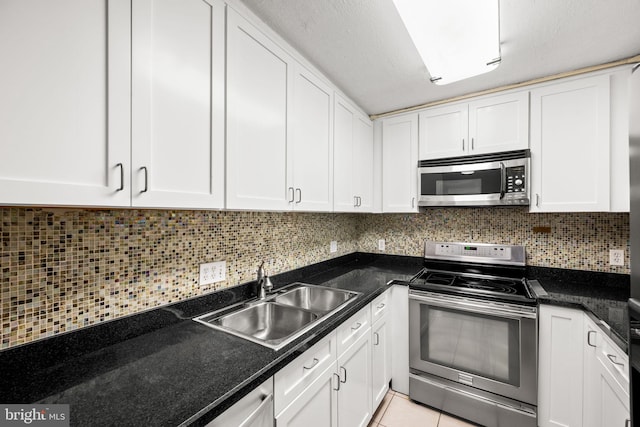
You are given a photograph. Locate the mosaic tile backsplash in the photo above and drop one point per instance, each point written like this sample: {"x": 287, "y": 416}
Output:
{"x": 64, "y": 269}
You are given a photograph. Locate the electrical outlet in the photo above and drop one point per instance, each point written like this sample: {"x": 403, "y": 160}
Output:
{"x": 333, "y": 246}
{"x": 616, "y": 257}
{"x": 213, "y": 272}
{"x": 381, "y": 245}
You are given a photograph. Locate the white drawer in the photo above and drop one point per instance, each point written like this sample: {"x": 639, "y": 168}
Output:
{"x": 615, "y": 361}
{"x": 297, "y": 375}
{"x": 380, "y": 306}
{"x": 356, "y": 326}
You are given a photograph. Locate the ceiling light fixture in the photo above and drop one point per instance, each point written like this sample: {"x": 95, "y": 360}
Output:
{"x": 456, "y": 39}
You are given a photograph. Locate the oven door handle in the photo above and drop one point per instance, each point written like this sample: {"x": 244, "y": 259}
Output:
{"x": 475, "y": 306}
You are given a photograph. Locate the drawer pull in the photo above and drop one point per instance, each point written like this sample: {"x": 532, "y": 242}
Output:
{"x": 313, "y": 365}
{"x": 377, "y": 341}
{"x": 380, "y": 306}
{"x": 260, "y": 410}
{"x": 612, "y": 358}
{"x": 589, "y": 338}
{"x": 337, "y": 389}
{"x": 343, "y": 369}
{"x": 355, "y": 328}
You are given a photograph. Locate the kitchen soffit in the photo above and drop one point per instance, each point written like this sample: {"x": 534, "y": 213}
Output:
{"x": 363, "y": 47}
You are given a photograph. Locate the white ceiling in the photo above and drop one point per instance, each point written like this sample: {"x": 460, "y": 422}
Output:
{"x": 363, "y": 47}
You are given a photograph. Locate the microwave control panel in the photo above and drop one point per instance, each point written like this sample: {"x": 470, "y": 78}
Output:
{"x": 516, "y": 179}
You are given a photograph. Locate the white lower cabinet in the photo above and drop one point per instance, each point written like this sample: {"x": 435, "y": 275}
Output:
{"x": 380, "y": 348}
{"x": 606, "y": 385}
{"x": 316, "y": 406}
{"x": 253, "y": 410}
{"x": 583, "y": 378}
{"x": 325, "y": 387}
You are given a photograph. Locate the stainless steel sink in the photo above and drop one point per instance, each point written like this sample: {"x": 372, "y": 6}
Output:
{"x": 283, "y": 316}
{"x": 317, "y": 299}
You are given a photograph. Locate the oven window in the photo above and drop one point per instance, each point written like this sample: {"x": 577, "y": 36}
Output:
{"x": 479, "y": 344}
{"x": 456, "y": 183}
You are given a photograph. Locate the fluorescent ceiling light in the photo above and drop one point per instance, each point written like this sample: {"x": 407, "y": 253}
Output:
{"x": 456, "y": 39}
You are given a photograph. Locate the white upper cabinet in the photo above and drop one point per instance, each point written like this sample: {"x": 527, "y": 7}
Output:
{"x": 485, "y": 125}
{"x": 570, "y": 146}
{"x": 310, "y": 185}
{"x": 400, "y": 164}
{"x": 499, "y": 123}
{"x": 178, "y": 104}
{"x": 444, "y": 132}
{"x": 64, "y": 108}
{"x": 259, "y": 80}
{"x": 353, "y": 159}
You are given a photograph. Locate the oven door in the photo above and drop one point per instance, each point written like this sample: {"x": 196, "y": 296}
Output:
{"x": 483, "y": 344}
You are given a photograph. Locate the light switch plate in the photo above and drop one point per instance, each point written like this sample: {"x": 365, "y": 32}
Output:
{"x": 616, "y": 257}
{"x": 213, "y": 272}
{"x": 333, "y": 246}
{"x": 381, "y": 245}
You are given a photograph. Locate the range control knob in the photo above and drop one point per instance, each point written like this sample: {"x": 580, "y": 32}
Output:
{"x": 518, "y": 181}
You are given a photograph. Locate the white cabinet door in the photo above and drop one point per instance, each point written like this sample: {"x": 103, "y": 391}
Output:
{"x": 570, "y": 146}
{"x": 316, "y": 406}
{"x": 400, "y": 164}
{"x": 354, "y": 394}
{"x": 499, "y": 123}
{"x": 400, "y": 338}
{"x": 606, "y": 386}
{"x": 353, "y": 159}
{"x": 381, "y": 359}
{"x": 444, "y": 132}
{"x": 343, "y": 135}
{"x": 310, "y": 156}
{"x": 65, "y": 103}
{"x": 363, "y": 164}
{"x": 259, "y": 76}
{"x": 560, "y": 375}
{"x": 178, "y": 103}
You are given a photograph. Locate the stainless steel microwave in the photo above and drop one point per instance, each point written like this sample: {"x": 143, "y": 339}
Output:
{"x": 497, "y": 179}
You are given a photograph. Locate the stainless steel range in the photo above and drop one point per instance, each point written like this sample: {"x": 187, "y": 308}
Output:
{"x": 473, "y": 334}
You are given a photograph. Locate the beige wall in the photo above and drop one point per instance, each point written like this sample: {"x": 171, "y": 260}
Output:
{"x": 63, "y": 269}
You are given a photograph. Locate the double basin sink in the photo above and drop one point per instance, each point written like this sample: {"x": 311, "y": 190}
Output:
{"x": 281, "y": 317}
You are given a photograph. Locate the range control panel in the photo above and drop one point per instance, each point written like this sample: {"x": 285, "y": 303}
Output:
{"x": 475, "y": 252}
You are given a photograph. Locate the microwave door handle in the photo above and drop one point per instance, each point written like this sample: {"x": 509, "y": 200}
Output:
{"x": 503, "y": 180}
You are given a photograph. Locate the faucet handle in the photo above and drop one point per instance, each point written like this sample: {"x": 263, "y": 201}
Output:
{"x": 260, "y": 273}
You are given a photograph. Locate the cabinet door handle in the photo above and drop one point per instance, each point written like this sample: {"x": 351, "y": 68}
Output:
{"x": 472, "y": 144}
{"x": 299, "y": 195}
{"x": 338, "y": 382}
{"x": 355, "y": 328}
{"x": 462, "y": 144}
{"x": 257, "y": 412}
{"x": 359, "y": 201}
{"x": 589, "y": 338}
{"x": 612, "y": 358}
{"x": 355, "y": 201}
{"x": 121, "y": 166}
{"x": 343, "y": 369}
{"x": 377, "y": 336}
{"x": 537, "y": 200}
{"x": 413, "y": 202}
{"x": 292, "y": 195}
{"x": 627, "y": 423}
{"x": 146, "y": 179}
{"x": 313, "y": 365}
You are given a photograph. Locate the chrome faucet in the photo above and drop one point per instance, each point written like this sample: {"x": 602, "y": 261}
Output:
{"x": 264, "y": 283}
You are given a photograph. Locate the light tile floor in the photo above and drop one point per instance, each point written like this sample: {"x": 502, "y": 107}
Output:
{"x": 396, "y": 410}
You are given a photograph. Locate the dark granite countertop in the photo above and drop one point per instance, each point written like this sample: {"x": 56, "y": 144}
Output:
{"x": 602, "y": 295}
{"x": 161, "y": 368}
